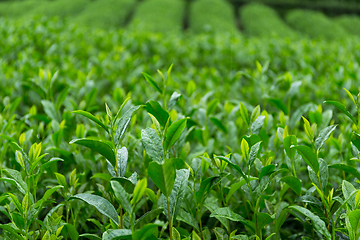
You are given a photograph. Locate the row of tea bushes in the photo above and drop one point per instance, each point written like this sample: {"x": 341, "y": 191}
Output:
{"x": 203, "y": 16}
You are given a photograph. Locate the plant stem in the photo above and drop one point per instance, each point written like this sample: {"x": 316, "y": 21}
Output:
{"x": 200, "y": 223}
{"x": 169, "y": 215}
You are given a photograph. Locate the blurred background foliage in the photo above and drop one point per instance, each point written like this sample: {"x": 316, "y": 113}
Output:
{"x": 328, "y": 19}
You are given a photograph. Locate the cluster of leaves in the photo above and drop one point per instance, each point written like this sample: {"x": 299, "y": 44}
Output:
{"x": 213, "y": 15}
{"x": 263, "y": 21}
{"x": 315, "y": 24}
{"x": 217, "y": 147}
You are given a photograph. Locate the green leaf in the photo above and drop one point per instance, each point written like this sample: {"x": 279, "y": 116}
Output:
{"x": 47, "y": 194}
{"x": 101, "y": 147}
{"x": 212, "y": 106}
{"x": 348, "y": 189}
{"x": 244, "y": 114}
{"x": 309, "y": 157}
{"x": 16, "y": 179}
{"x": 92, "y": 118}
{"x": 177, "y": 193}
{"x": 122, "y": 196}
{"x": 101, "y": 204}
{"x": 234, "y": 166}
{"x": 49, "y": 109}
{"x": 123, "y": 124}
{"x": 343, "y": 109}
{"x": 163, "y": 175}
{"x": 158, "y": 112}
{"x": 73, "y": 233}
{"x": 173, "y": 99}
{"x": 113, "y": 234}
{"x": 219, "y": 124}
{"x": 279, "y": 105}
{"x": 354, "y": 219}
{"x": 323, "y": 136}
{"x": 139, "y": 191}
{"x": 263, "y": 219}
{"x": 316, "y": 221}
{"x": 187, "y": 218}
{"x": 212, "y": 206}
{"x": 207, "y": 185}
{"x": 152, "y": 82}
{"x": 121, "y": 161}
{"x": 346, "y": 168}
{"x": 234, "y": 187}
{"x": 144, "y": 232}
{"x": 10, "y": 228}
{"x": 254, "y": 152}
{"x": 294, "y": 183}
{"x": 152, "y": 144}
{"x": 147, "y": 217}
{"x": 288, "y": 142}
{"x": 226, "y": 212}
{"x": 173, "y": 133}
{"x": 257, "y": 125}
{"x": 89, "y": 236}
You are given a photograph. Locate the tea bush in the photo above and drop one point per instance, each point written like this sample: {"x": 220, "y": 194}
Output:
{"x": 60, "y": 8}
{"x": 213, "y": 15}
{"x": 350, "y": 23}
{"x": 263, "y": 21}
{"x": 315, "y": 24}
{"x": 17, "y": 9}
{"x": 106, "y": 13}
{"x": 158, "y": 16}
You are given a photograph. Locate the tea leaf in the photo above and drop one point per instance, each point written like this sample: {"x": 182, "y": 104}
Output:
{"x": 101, "y": 147}
{"x": 123, "y": 124}
{"x": 122, "y": 196}
{"x": 101, "y": 204}
{"x": 316, "y": 221}
{"x": 309, "y": 157}
{"x": 92, "y": 118}
{"x": 152, "y": 144}
{"x": 293, "y": 182}
{"x": 343, "y": 109}
{"x": 173, "y": 133}
{"x": 158, "y": 112}
{"x": 163, "y": 175}
{"x": 323, "y": 136}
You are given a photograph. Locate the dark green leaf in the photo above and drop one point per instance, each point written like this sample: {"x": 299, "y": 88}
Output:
{"x": 124, "y": 123}
{"x": 147, "y": 217}
{"x": 263, "y": 219}
{"x": 121, "y": 160}
{"x": 229, "y": 214}
{"x": 316, "y": 221}
{"x": 346, "y": 168}
{"x": 219, "y": 124}
{"x": 101, "y": 204}
{"x": 309, "y": 157}
{"x": 173, "y": 133}
{"x": 158, "y": 112}
{"x": 92, "y": 118}
{"x": 152, "y": 82}
{"x": 144, "y": 232}
{"x": 101, "y": 147}
{"x": 294, "y": 183}
{"x": 279, "y": 105}
{"x": 122, "y": 196}
{"x": 152, "y": 144}
{"x": 113, "y": 234}
{"x": 253, "y": 153}
{"x": 343, "y": 109}
{"x": 163, "y": 175}
{"x": 323, "y": 136}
